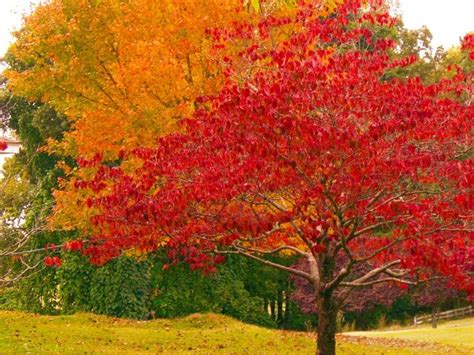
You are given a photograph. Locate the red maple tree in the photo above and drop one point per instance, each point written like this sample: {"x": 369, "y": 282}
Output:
{"x": 311, "y": 148}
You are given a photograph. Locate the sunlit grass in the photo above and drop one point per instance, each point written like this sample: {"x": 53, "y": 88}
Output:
{"x": 458, "y": 333}
{"x": 209, "y": 333}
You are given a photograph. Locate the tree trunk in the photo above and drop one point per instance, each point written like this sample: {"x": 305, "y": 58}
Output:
{"x": 287, "y": 306}
{"x": 280, "y": 307}
{"x": 326, "y": 337}
{"x": 272, "y": 309}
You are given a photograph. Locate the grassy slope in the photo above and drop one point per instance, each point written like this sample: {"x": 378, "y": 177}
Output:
{"x": 20, "y": 332}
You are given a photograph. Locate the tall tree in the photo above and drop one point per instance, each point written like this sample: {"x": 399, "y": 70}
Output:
{"x": 318, "y": 153}
{"x": 122, "y": 72}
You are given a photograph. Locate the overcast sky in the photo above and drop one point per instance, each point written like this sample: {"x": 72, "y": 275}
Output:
{"x": 10, "y": 18}
{"x": 448, "y": 20}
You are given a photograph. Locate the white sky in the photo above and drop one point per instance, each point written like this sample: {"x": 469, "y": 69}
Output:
{"x": 11, "y": 12}
{"x": 448, "y": 20}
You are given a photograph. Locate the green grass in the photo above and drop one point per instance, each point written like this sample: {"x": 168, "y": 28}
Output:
{"x": 209, "y": 334}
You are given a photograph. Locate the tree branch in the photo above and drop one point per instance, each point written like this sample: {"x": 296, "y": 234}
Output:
{"x": 269, "y": 263}
{"x": 374, "y": 282}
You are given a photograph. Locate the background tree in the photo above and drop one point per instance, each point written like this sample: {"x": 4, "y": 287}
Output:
{"x": 435, "y": 295}
{"x": 359, "y": 300}
{"x": 25, "y": 185}
{"x": 366, "y": 306}
{"x": 121, "y": 86}
{"x": 27, "y": 201}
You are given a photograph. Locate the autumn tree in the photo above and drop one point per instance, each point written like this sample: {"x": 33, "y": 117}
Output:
{"x": 122, "y": 73}
{"x": 436, "y": 64}
{"x": 317, "y": 153}
{"x": 318, "y": 156}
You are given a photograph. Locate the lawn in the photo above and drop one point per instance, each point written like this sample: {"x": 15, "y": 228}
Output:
{"x": 459, "y": 333}
{"x": 209, "y": 333}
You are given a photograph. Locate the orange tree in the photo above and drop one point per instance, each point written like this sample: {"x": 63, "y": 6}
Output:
{"x": 320, "y": 153}
{"x": 123, "y": 72}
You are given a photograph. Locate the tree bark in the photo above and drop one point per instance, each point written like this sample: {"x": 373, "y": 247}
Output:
{"x": 272, "y": 309}
{"x": 287, "y": 306}
{"x": 280, "y": 307}
{"x": 326, "y": 337}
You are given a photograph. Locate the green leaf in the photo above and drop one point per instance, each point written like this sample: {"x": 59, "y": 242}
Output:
{"x": 255, "y": 4}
